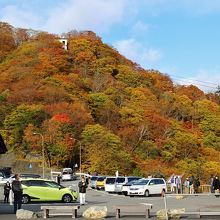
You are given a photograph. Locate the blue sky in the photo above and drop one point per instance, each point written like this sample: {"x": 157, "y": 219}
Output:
{"x": 177, "y": 37}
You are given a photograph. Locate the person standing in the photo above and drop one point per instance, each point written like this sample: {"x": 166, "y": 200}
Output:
{"x": 211, "y": 184}
{"x": 186, "y": 186}
{"x": 58, "y": 179}
{"x": 196, "y": 185}
{"x": 17, "y": 190}
{"x": 216, "y": 184}
{"x": 191, "y": 186}
{"x": 82, "y": 191}
{"x": 7, "y": 189}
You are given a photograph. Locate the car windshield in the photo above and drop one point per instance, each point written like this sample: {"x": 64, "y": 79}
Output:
{"x": 101, "y": 179}
{"x": 131, "y": 182}
{"x": 133, "y": 178}
{"x": 66, "y": 173}
{"x": 25, "y": 182}
{"x": 53, "y": 185}
{"x": 141, "y": 182}
{"x": 94, "y": 178}
{"x": 110, "y": 180}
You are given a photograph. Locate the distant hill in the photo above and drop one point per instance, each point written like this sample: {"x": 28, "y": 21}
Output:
{"x": 92, "y": 98}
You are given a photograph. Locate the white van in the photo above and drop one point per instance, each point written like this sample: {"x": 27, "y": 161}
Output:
{"x": 147, "y": 187}
{"x": 67, "y": 174}
{"x": 110, "y": 184}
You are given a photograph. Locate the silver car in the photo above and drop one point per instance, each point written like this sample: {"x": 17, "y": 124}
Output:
{"x": 93, "y": 180}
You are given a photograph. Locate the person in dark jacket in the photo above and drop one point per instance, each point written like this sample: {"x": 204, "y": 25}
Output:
{"x": 58, "y": 179}
{"x": 7, "y": 189}
{"x": 196, "y": 185}
{"x": 82, "y": 191}
{"x": 17, "y": 190}
{"x": 216, "y": 184}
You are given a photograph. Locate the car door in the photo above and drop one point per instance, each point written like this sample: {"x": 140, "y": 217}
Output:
{"x": 153, "y": 187}
{"x": 54, "y": 191}
{"x": 35, "y": 190}
{"x": 160, "y": 185}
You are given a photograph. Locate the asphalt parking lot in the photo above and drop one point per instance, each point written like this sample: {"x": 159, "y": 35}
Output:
{"x": 101, "y": 198}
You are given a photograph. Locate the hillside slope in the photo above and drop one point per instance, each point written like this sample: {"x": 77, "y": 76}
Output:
{"x": 90, "y": 97}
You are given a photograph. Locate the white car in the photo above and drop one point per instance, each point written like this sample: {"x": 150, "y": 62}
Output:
{"x": 147, "y": 187}
{"x": 67, "y": 174}
{"x": 110, "y": 184}
{"x": 127, "y": 185}
{"x": 121, "y": 180}
{"x": 93, "y": 180}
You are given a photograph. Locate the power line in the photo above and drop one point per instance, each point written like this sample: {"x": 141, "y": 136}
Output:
{"x": 197, "y": 84}
{"x": 193, "y": 80}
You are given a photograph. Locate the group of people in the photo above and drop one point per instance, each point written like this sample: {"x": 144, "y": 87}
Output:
{"x": 190, "y": 185}
{"x": 16, "y": 188}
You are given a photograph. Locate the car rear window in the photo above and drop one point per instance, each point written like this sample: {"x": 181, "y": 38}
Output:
{"x": 94, "y": 178}
{"x": 120, "y": 180}
{"x": 110, "y": 180}
{"x": 101, "y": 179}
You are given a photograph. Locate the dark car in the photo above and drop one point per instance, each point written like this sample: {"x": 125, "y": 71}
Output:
{"x": 22, "y": 176}
{"x": 5, "y": 172}
{"x": 30, "y": 175}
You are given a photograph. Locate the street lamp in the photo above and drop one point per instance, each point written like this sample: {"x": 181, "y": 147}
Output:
{"x": 42, "y": 146}
{"x": 80, "y": 157}
{"x": 80, "y": 154}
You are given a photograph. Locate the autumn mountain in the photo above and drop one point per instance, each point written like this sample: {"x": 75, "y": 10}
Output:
{"x": 124, "y": 117}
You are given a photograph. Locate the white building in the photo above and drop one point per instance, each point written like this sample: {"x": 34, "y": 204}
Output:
{"x": 64, "y": 42}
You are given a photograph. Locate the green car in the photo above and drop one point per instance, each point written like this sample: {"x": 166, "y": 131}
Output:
{"x": 46, "y": 190}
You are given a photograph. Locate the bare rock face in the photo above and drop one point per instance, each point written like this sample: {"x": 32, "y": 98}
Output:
{"x": 95, "y": 212}
{"x": 25, "y": 214}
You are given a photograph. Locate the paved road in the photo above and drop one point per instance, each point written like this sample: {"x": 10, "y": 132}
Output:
{"x": 101, "y": 198}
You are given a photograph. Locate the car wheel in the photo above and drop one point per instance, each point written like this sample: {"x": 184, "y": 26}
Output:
{"x": 67, "y": 198}
{"x": 25, "y": 199}
{"x": 147, "y": 194}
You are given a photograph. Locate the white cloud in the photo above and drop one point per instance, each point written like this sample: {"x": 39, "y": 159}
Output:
{"x": 62, "y": 16}
{"x": 95, "y": 15}
{"x": 20, "y": 17}
{"x": 135, "y": 51}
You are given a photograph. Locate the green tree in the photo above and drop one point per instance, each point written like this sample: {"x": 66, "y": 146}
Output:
{"x": 18, "y": 120}
{"x": 103, "y": 152}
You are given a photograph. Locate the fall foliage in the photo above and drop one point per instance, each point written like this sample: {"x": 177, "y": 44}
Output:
{"x": 92, "y": 98}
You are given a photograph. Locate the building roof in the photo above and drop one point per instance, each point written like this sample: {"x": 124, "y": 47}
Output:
{"x": 3, "y": 148}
